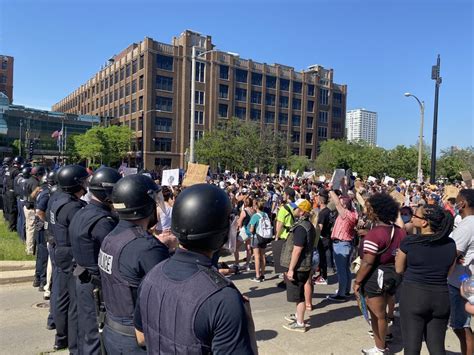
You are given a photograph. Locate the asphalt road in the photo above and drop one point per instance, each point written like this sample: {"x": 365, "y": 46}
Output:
{"x": 334, "y": 328}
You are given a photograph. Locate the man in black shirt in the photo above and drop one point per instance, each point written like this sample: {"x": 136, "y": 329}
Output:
{"x": 326, "y": 219}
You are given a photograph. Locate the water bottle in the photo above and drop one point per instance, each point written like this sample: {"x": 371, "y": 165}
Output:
{"x": 468, "y": 287}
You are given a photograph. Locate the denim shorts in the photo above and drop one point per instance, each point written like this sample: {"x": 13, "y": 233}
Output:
{"x": 459, "y": 318}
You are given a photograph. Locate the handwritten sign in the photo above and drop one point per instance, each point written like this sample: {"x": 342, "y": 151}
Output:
{"x": 170, "y": 177}
{"x": 398, "y": 197}
{"x": 196, "y": 174}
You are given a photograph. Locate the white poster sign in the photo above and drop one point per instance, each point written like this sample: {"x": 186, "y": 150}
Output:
{"x": 170, "y": 177}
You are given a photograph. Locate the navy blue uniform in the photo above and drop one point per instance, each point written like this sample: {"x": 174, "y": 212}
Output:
{"x": 88, "y": 229}
{"x": 126, "y": 255}
{"x": 60, "y": 215}
{"x": 220, "y": 323}
{"x": 10, "y": 205}
{"x": 41, "y": 204}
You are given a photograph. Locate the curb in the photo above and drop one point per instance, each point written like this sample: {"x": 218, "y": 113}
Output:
{"x": 16, "y": 280}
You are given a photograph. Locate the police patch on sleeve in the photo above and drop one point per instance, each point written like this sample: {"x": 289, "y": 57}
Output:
{"x": 105, "y": 262}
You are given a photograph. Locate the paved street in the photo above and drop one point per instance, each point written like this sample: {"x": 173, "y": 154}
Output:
{"x": 335, "y": 328}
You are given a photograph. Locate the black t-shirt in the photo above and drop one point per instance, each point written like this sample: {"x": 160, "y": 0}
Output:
{"x": 324, "y": 218}
{"x": 428, "y": 263}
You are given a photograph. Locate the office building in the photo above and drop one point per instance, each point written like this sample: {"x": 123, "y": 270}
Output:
{"x": 6, "y": 76}
{"x": 361, "y": 125}
{"x": 148, "y": 87}
{"x": 33, "y": 129}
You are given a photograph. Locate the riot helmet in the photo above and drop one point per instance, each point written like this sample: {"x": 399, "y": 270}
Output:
{"x": 26, "y": 172}
{"x": 25, "y": 165}
{"x": 134, "y": 197}
{"x": 7, "y": 161}
{"x": 38, "y": 171}
{"x": 18, "y": 161}
{"x": 51, "y": 178}
{"x": 72, "y": 178}
{"x": 103, "y": 182}
{"x": 201, "y": 217}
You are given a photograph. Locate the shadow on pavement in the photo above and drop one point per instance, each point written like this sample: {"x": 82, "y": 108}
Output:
{"x": 255, "y": 292}
{"x": 266, "y": 334}
{"x": 333, "y": 316}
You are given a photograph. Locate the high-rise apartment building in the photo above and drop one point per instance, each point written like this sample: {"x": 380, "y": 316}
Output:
{"x": 361, "y": 125}
{"x": 6, "y": 76}
{"x": 148, "y": 87}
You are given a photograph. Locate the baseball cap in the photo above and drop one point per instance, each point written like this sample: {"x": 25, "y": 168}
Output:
{"x": 303, "y": 205}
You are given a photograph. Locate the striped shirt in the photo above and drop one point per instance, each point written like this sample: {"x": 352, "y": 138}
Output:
{"x": 378, "y": 238}
{"x": 344, "y": 227}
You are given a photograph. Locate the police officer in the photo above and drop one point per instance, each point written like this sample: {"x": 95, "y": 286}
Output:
{"x": 185, "y": 306}
{"x": 126, "y": 255}
{"x": 9, "y": 200}
{"x": 30, "y": 182}
{"x": 72, "y": 181}
{"x": 87, "y": 230}
{"x": 3, "y": 169}
{"x": 19, "y": 188}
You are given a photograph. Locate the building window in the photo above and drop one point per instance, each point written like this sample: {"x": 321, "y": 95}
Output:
{"x": 323, "y": 96}
{"x": 322, "y": 132}
{"x": 198, "y": 117}
{"x": 134, "y": 86}
{"x": 309, "y": 122}
{"x": 101, "y": 101}
{"x": 127, "y": 89}
{"x": 240, "y": 94}
{"x": 270, "y": 99}
{"x": 309, "y": 138}
{"x": 336, "y": 112}
{"x": 127, "y": 108}
{"x": 164, "y": 62}
{"x": 336, "y": 127}
{"x": 255, "y": 114}
{"x": 140, "y": 82}
{"x": 224, "y": 72}
{"x": 127, "y": 70}
{"x": 164, "y": 83}
{"x": 4, "y": 64}
{"x": 337, "y": 98}
{"x": 256, "y": 97}
{"x": 257, "y": 79}
{"x": 296, "y": 104}
{"x": 134, "y": 105}
{"x": 106, "y": 83}
{"x": 142, "y": 61}
{"x": 163, "y": 144}
{"x": 116, "y": 77}
{"x": 199, "y": 97}
{"x": 223, "y": 110}
{"x": 282, "y": 118}
{"x": 163, "y": 162}
{"x": 240, "y": 112}
{"x": 295, "y": 137}
{"x": 106, "y": 99}
{"x": 296, "y": 120}
{"x": 223, "y": 91}
{"x": 309, "y": 153}
{"x": 140, "y": 103}
{"x": 241, "y": 76}
{"x": 116, "y": 112}
{"x": 164, "y": 103}
{"x": 200, "y": 72}
{"x": 116, "y": 97}
{"x": 163, "y": 124}
{"x": 111, "y": 97}
{"x": 284, "y": 101}
{"x": 297, "y": 87}
{"x": 323, "y": 117}
{"x": 121, "y": 92}
{"x": 310, "y": 105}
{"x": 133, "y": 125}
{"x": 134, "y": 66}
{"x": 270, "y": 82}
{"x": 122, "y": 73}
{"x": 269, "y": 117}
{"x": 284, "y": 85}
{"x": 198, "y": 135}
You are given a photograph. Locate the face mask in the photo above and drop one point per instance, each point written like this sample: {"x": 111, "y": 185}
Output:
{"x": 406, "y": 218}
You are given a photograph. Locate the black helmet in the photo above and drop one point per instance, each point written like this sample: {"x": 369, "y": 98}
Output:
{"x": 134, "y": 197}
{"x": 7, "y": 161}
{"x": 51, "y": 178}
{"x": 25, "y": 165}
{"x": 102, "y": 183}
{"x": 201, "y": 217}
{"x": 26, "y": 172}
{"x": 72, "y": 178}
{"x": 38, "y": 171}
{"x": 18, "y": 160}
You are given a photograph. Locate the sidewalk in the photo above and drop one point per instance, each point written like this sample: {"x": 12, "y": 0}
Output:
{"x": 12, "y": 272}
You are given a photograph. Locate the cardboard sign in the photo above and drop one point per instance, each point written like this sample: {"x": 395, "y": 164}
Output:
{"x": 308, "y": 174}
{"x": 170, "y": 177}
{"x": 360, "y": 199}
{"x": 337, "y": 177}
{"x": 398, "y": 197}
{"x": 467, "y": 178}
{"x": 450, "y": 191}
{"x": 196, "y": 174}
{"x": 287, "y": 173}
{"x": 358, "y": 185}
{"x": 387, "y": 179}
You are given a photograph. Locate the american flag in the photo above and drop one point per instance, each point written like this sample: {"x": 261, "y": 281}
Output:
{"x": 57, "y": 134}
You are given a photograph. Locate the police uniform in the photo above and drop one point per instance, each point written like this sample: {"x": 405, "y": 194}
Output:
{"x": 41, "y": 204}
{"x": 213, "y": 308}
{"x": 88, "y": 229}
{"x": 126, "y": 255}
{"x": 10, "y": 207}
{"x": 28, "y": 185}
{"x": 18, "y": 188}
{"x": 62, "y": 210}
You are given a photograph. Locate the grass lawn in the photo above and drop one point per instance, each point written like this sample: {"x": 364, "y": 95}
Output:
{"x": 11, "y": 247}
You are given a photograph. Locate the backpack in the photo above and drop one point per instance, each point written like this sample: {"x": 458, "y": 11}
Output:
{"x": 264, "y": 227}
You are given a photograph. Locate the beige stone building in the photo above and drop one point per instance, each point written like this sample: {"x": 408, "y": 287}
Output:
{"x": 148, "y": 87}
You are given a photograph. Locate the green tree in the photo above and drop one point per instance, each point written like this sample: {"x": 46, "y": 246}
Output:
{"x": 299, "y": 162}
{"x": 452, "y": 161}
{"x": 89, "y": 145}
{"x": 15, "y": 147}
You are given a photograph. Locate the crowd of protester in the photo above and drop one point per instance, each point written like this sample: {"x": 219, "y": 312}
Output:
{"x": 397, "y": 247}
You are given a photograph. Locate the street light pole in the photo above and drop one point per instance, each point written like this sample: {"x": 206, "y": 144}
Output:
{"x": 420, "y": 143}
{"x": 435, "y": 71}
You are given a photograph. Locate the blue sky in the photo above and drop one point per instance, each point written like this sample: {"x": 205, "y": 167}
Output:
{"x": 380, "y": 49}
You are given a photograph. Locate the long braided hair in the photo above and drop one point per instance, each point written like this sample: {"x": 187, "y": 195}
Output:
{"x": 440, "y": 221}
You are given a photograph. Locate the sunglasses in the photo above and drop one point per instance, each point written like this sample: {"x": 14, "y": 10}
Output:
{"x": 415, "y": 216}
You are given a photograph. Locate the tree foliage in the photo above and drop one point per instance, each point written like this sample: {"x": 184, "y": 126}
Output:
{"x": 453, "y": 161}
{"x": 108, "y": 145}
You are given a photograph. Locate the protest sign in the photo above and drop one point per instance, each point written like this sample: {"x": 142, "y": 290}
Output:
{"x": 398, "y": 197}
{"x": 450, "y": 191}
{"x": 196, "y": 174}
{"x": 322, "y": 178}
{"x": 467, "y": 178}
{"x": 129, "y": 171}
{"x": 371, "y": 179}
{"x": 337, "y": 177}
{"x": 287, "y": 173}
{"x": 308, "y": 174}
{"x": 170, "y": 177}
{"x": 387, "y": 179}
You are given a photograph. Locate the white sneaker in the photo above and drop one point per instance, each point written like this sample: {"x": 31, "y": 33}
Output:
{"x": 374, "y": 351}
